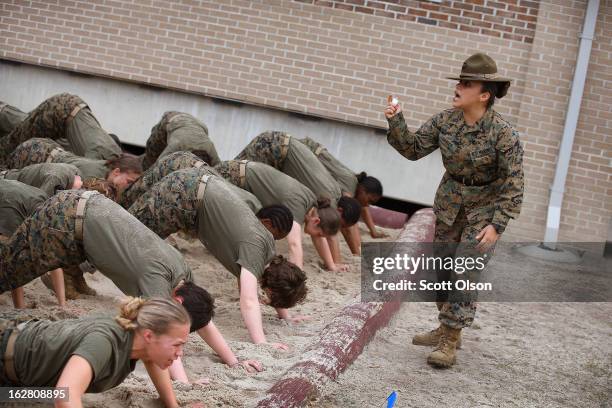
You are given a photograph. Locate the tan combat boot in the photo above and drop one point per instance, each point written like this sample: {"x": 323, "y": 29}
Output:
{"x": 431, "y": 338}
{"x": 444, "y": 355}
{"x": 69, "y": 289}
{"x": 78, "y": 281}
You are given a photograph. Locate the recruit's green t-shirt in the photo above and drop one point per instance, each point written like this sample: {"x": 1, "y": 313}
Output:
{"x": 231, "y": 232}
{"x": 188, "y": 133}
{"x": 43, "y": 348}
{"x": 10, "y": 117}
{"x": 89, "y": 168}
{"x": 303, "y": 165}
{"x": 342, "y": 174}
{"x": 17, "y": 202}
{"x": 273, "y": 187}
{"x": 138, "y": 261}
{"x": 48, "y": 177}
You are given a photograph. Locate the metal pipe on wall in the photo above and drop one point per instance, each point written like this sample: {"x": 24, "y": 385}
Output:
{"x": 557, "y": 190}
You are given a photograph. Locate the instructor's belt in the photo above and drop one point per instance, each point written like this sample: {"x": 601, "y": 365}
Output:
{"x": 80, "y": 214}
{"x": 202, "y": 187}
{"x": 470, "y": 182}
{"x": 75, "y": 111}
{"x": 9, "y": 354}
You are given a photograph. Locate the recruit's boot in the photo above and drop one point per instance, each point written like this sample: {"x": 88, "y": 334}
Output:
{"x": 444, "y": 355}
{"x": 431, "y": 338}
{"x": 78, "y": 281}
{"x": 69, "y": 289}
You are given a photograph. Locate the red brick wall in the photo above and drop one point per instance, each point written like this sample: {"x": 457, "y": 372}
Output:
{"x": 508, "y": 19}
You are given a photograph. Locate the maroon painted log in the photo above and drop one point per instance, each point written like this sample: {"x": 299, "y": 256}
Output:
{"x": 388, "y": 218}
{"x": 344, "y": 338}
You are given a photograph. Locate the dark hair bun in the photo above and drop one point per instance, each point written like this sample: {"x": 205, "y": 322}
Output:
{"x": 361, "y": 176}
{"x": 323, "y": 202}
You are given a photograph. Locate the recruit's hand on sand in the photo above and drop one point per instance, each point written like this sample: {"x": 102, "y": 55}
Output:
{"x": 340, "y": 268}
{"x": 487, "y": 237}
{"x": 297, "y": 319}
{"x": 378, "y": 234}
{"x": 251, "y": 366}
{"x": 201, "y": 381}
{"x": 279, "y": 346}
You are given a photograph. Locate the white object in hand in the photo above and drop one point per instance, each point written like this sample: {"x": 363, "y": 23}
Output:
{"x": 394, "y": 101}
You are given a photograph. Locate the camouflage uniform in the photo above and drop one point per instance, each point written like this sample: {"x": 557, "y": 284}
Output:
{"x": 38, "y": 151}
{"x": 269, "y": 185}
{"x": 10, "y": 117}
{"x": 345, "y": 176}
{"x": 175, "y": 132}
{"x": 230, "y": 171}
{"x": 34, "y": 151}
{"x": 172, "y": 204}
{"x": 287, "y": 154}
{"x": 163, "y": 167}
{"x": 269, "y": 147}
{"x": 43, "y": 242}
{"x": 482, "y": 185}
{"x": 63, "y": 115}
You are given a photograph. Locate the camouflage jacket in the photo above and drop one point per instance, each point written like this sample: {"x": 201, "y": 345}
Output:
{"x": 483, "y": 162}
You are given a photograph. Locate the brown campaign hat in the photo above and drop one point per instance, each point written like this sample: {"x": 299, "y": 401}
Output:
{"x": 481, "y": 67}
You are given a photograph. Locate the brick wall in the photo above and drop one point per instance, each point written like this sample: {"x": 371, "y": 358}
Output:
{"x": 285, "y": 54}
{"x": 587, "y": 204}
{"x": 508, "y": 19}
{"x": 339, "y": 60}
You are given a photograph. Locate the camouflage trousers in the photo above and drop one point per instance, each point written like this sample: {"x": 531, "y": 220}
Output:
{"x": 171, "y": 205}
{"x": 34, "y": 151}
{"x": 176, "y": 132}
{"x": 82, "y": 131}
{"x": 230, "y": 171}
{"x": 459, "y": 241}
{"x": 163, "y": 167}
{"x": 43, "y": 242}
{"x": 269, "y": 147}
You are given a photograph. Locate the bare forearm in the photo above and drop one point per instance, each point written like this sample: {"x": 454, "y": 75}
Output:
{"x": 367, "y": 218}
{"x": 163, "y": 385}
{"x": 251, "y": 314}
{"x": 213, "y": 337}
{"x": 322, "y": 247}
{"x": 334, "y": 246}
{"x": 294, "y": 240}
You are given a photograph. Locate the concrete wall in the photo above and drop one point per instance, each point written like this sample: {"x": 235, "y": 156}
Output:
{"x": 130, "y": 110}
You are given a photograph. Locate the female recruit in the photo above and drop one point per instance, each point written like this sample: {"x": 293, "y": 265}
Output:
{"x": 95, "y": 354}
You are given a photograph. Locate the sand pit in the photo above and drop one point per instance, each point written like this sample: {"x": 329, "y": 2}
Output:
{"x": 515, "y": 355}
{"x": 228, "y": 387}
